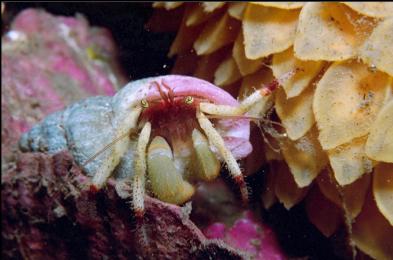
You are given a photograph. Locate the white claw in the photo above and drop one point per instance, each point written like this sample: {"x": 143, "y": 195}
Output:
{"x": 207, "y": 165}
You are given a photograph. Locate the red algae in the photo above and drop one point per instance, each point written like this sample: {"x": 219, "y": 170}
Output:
{"x": 46, "y": 65}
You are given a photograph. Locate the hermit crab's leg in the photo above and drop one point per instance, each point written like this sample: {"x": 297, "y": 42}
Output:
{"x": 118, "y": 150}
{"x": 138, "y": 182}
{"x": 259, "y": 96}
{"x": 166, "y": 182}
{"x": 216, "y": 139}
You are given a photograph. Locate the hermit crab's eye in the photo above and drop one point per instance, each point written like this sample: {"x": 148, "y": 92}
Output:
{"x": 188, "y": 100}
{"x": 144, "y": 103}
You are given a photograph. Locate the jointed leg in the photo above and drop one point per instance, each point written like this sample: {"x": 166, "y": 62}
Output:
{"x": 216, "y": 139}
{"x": 245, "y": 105}
{"x": 138, "y": 182}
{"x": 261, "y": 95}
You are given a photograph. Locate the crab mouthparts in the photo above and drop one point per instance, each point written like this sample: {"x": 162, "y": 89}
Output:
{"x": 174, "y": 122}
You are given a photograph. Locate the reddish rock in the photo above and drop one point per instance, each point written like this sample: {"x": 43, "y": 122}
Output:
{"x": 48, "y": 214}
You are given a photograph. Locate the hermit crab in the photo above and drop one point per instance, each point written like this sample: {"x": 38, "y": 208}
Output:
{"x": 174, "y": 129}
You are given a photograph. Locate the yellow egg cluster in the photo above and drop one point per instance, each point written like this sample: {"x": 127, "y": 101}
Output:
{"x": 337, "y": 110}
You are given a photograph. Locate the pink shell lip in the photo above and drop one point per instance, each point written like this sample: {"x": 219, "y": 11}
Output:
{"x": 237, "y": 131}
{"x": 190, "y": 86}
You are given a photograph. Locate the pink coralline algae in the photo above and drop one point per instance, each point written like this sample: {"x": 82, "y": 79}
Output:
{"x": 48, "y": 62}
{"x": 220, "y": 215}
{"x": 248, "y": 235}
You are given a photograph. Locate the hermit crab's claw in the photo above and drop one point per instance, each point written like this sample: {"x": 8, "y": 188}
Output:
{"x": 216, "y": 139}
{"x": 166, "y": 182}
{"x": 207, "y": 164}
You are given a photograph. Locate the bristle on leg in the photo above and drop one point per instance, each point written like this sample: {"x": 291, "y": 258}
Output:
{"x": 138, "y": 183}
{"x": 239, "y": 180}
{"x": 216, "y": 139}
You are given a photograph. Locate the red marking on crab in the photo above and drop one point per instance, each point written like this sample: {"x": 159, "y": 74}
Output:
{"x": 139, "y": 214}
{"x": 269, "y": 88}
{"x": 93, "y": 189}
{"x": 239, "y": 180}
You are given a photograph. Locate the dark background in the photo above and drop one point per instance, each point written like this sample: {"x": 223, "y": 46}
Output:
{"x": 143, "y": 53}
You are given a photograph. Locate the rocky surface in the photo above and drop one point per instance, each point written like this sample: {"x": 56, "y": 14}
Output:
{"x": 48, "y": 214}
